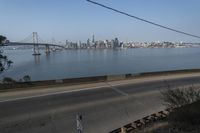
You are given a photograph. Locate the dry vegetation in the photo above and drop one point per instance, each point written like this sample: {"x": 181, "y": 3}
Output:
{"x": 185, "y": 117}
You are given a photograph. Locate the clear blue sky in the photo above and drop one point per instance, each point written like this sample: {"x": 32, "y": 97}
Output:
{"x": 78, "y": 20}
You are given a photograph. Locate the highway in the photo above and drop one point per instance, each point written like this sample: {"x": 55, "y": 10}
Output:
{"x": 103, "y": 108}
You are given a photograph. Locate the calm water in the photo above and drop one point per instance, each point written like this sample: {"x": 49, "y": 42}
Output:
{"x": 82, "y": 63}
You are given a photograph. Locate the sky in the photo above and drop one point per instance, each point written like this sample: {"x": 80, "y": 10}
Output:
{"x": 76, "y": 20}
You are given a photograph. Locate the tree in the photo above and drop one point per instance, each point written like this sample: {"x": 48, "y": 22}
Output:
{"x": 27, "y": 78}
{"x": 2, "y": 40}
{"x": 8, "y": 80}
{"x": 175, "y": 98}
{"x": 4, "y": 62}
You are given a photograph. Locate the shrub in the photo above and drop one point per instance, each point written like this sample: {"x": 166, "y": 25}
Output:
{"x": 27, "y": 78}
{"x": 8, "y": 80}
{"x": 185, "y": 116}
{"x": 174, "y": 98}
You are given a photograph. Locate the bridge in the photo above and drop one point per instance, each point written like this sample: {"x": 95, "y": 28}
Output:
{"x": 36, "y": 41}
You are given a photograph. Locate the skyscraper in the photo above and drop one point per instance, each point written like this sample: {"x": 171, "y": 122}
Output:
{"x": 116, "y": 43}
{"x": 93, "y": 39}
{"x": 88, "y": 42}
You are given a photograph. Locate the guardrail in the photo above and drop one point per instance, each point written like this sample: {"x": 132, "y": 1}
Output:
{"x": 141, "y": 123}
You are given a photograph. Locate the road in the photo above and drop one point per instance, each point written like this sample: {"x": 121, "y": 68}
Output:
{"x": 103, "y": 108}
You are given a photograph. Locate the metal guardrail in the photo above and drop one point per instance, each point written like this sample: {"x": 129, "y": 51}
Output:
{"x": 145, "y": 121}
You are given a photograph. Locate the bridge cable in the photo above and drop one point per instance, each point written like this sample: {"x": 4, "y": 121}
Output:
{"x": 144, "y": 20}
{"x": 40, "y": 40}
{"x": 27, "y": 39}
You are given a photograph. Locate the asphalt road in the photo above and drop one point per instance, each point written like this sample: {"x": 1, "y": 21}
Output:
{"x": 103, "y": 109}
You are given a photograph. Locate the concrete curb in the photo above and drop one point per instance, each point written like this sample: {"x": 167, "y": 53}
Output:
{"x": 84, "y": 80}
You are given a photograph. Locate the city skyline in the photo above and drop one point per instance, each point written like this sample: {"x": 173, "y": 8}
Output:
{"x": 79, "y": 20}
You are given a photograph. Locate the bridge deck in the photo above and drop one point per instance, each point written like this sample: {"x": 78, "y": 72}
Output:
{"x": 41, "y": 44}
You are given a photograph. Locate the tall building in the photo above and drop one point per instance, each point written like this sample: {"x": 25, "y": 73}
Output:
{"x": 93, "y": 41}
{"x": 116, "y": 43}
{"x": 67, "y": 44}
{"x": 88, "y": 42}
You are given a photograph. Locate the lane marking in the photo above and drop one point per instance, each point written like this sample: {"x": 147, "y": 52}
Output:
{"x": 117, "y": 90}
{"x": 49, "y": 94}
{"x": 68, "y": 91}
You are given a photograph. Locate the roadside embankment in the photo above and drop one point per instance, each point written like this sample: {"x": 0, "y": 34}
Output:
{"x": 185, "y": 119}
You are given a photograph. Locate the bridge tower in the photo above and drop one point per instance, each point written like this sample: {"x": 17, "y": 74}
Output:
{"x": 35, "y": 42}
{"x": 47, "y": 49}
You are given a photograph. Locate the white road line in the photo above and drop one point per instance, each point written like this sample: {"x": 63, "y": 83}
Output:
{"x": 62, "y": 92}
{"x": 49, "y": 94}
{"x": 117, "y": 90}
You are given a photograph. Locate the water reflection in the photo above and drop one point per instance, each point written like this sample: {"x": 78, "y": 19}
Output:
{"x": 48, "y": 56}
{"x": 37, "y": 59}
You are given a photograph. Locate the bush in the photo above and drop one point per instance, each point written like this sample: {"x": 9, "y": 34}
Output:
{"x": 27, "y": 78}
{"x": 174, "y": 98}
{"x": 189, "y": 114}
{"x": 185, "y": 116}
{"x": 8, "y": 80}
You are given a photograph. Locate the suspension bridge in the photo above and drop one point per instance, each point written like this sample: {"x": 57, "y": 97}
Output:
{"x": 35, "y": 40}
